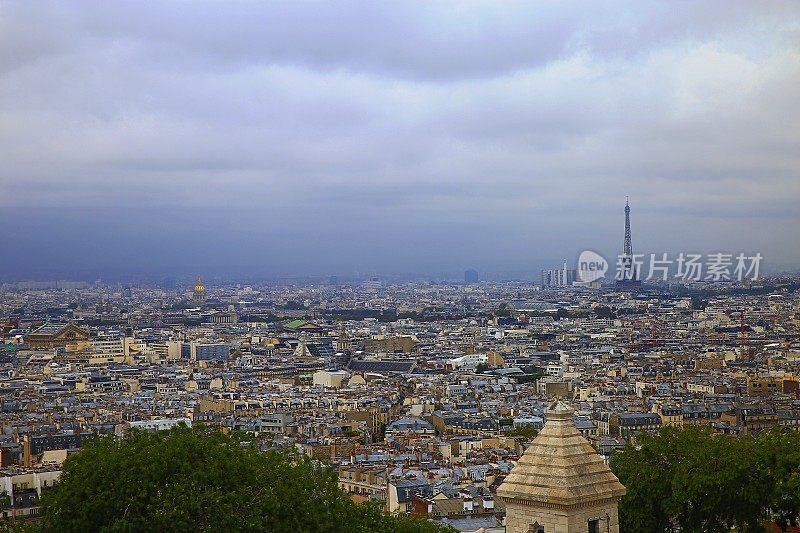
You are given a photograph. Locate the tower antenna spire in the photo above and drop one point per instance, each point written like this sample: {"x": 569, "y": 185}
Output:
{"x": 627, "y": 248}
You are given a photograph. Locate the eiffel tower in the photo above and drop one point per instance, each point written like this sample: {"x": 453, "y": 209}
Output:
{"x": 629, "y": 273}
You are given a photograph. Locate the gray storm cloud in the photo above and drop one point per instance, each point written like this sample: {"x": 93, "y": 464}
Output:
{"x": 338, "y": 137}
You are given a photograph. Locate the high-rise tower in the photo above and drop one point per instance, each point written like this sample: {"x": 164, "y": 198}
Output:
{"x": 627, "y": 247}
{"x": 628, "y": 275}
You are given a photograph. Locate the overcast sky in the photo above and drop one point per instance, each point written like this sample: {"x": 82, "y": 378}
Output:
{"x": 281, "y": 138}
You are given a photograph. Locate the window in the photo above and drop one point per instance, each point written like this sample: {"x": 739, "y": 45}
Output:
{"x": 594, "y": 526}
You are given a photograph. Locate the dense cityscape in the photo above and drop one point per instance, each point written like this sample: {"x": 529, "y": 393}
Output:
{"x": 399, "y": 267}
{"x": 421, "y": 396}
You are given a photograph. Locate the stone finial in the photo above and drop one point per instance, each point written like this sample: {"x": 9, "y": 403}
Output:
{"x": 559, "y": 409}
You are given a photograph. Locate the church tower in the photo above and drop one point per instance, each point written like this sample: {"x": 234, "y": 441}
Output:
{"x": 560, "y": 484}
{"x": 343, "y": 342}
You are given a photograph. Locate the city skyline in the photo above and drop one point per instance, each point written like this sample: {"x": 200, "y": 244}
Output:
{"x": 446, "y": 266}
{"x": 307, "y": 139}
{"x": 683, "y": 268}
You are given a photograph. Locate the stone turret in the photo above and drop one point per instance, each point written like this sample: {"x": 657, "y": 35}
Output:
{"x": 560, "y": 484}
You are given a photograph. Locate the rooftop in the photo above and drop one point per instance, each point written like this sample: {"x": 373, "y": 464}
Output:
{"x": 560, "y": 467}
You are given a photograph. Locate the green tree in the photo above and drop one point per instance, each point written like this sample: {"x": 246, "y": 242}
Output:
{"x": 779, "y": 456}
{"x": 204, "y": 480}
{"x": 717, "y": 483}
{"x": 502, "y": 310}
{"x": 526, "y": 432}
{"x": 531, "y": 374}
{"x": 603, "y": 311}
{"x": 697, "y": 481}
{"x": 646, "y": 472}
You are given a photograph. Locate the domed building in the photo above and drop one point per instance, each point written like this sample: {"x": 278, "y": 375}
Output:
{"x": 199, "y": 295}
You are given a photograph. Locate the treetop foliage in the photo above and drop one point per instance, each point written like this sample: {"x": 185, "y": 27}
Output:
{"x": 527, "y": 432}
{"x": 201, "y": 479}
{"x": 693, "y": 480}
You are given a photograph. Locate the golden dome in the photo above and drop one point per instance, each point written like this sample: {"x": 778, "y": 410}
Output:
{"x": 199, "y": 288}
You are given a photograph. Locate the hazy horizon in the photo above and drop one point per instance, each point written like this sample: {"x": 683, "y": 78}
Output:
{"x": 247, "y": 140}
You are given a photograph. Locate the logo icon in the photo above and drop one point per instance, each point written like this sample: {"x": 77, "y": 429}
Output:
{"x": 591, "y": 266}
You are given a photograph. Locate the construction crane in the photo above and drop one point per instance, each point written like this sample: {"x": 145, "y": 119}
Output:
{"x": 742, "y": 337}
{"x": 652, "y": 322}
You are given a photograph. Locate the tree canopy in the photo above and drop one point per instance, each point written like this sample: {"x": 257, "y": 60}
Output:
{"x": 561, "y": 313}
{"x": 603, "y": 311}
{"x": 481, "y": 368}
{"x": 526, "y": 431}
{"x": 204, "y": 480}
{"x": 697, "y": 481}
